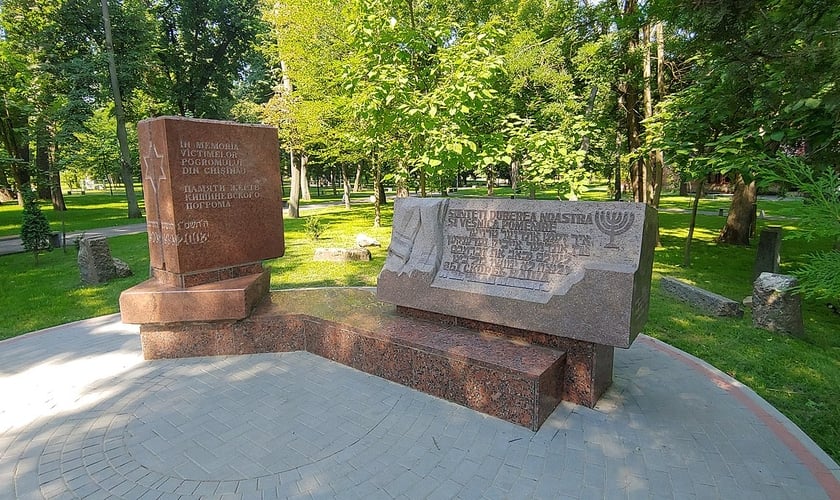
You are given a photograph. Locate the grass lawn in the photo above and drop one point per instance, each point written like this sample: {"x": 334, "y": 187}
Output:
{"x": 798, "y": 376}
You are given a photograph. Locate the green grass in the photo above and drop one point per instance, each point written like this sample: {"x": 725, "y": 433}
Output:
{"x": 798, "y": 376}
{"x": 96, "y": 209}
{"x": 92, "y": 210}
{"x": 49, "y": 293}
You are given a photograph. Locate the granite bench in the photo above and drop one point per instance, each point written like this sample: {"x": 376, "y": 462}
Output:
{"x": 496, "y": 374}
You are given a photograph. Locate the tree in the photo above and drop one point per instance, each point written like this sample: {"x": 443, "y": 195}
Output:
{"x": 35, "y": 229}
{"x": 122, "y": 137}
{"x": 767, "y": 73}
{"x": 202, "y": 46}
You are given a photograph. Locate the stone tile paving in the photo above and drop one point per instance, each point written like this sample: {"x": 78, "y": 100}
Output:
{"x": 84, "y": 416}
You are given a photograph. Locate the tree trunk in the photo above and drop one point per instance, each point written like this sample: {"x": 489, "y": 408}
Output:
{"x": 383, "y": 198}
{"x": 590, "y": 105}
{"x": 358, "y": 178}
{"x": 514, "y": 175}
{"x": 422, "y": 175}
{"x": 22, "y": 178}
{"x": 304, "y": 177}
{"x": 491, "y": 181}
{"x": 402, "y": 180}
{"x": 56, "y": 195}
{"x": 42, "y": 162}
{"x": 18, "y": 147}
{"x": 740, "y": 221}
{"x": 377, "y": 195}
{"x": 659, "y": 162}
{"x": 617, "y": 185}
{"x": 639, "y": 175}
{"x": 122, "y": 137}
{"x": 294, "y": 189}
{"x": 654, "y": 163}
{"x": 691, "y": 224}
{"x": 345, "y": 182}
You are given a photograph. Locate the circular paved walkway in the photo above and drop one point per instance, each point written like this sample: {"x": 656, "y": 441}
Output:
{"x": 84, "y": 416}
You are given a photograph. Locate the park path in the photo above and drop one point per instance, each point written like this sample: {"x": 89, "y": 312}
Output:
{"x": 84, "y": 416}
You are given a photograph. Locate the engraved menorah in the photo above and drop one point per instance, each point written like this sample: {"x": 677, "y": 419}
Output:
{"x": 613, "y": 223}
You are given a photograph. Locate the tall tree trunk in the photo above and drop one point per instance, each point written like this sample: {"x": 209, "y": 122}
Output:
{"x": 42, "y": 161}
{"x": 422, "y": 174}
{"x": 639, "y": 178}
{"x": 514, "y": 175}
{"x": 333, "y": 182}
{"x": 122, "y": 137}
{"x": 741, "y": 218}
{"x": 294, "y": 189}
{"x": 56, "y": 195}
{"x": 590, "y": 105}
{"x": 377, "y": 194}
{"x": 17, "y": 147}
{"x": 357, "y": 181}
{"x": 659, "y": 161}
{"x": 345, "y": 182}
{"x": 618, "y": 178}
{"x": 691, "y": 224}
{"x": 304, "y": 177}
{"x": 654, "y": 166}
{"x": 22, "y": 178}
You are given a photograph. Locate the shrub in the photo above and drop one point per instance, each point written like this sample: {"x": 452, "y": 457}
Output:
{"x": 35, "y": 229}
{"x": 313, "y": 227}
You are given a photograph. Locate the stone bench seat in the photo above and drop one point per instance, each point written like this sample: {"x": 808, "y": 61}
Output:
{"x": 507, "y": 378}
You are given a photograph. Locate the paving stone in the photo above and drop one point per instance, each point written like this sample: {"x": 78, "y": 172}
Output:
{"x": 296, "y": 426}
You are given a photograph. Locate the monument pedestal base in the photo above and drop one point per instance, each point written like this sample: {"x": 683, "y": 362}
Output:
{"x": 151, "y": 302}
{"x": 589, "y": 366}
{"x": 506, "y": 374}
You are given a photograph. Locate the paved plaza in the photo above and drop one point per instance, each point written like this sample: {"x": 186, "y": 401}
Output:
{"x": 84, "y": 416}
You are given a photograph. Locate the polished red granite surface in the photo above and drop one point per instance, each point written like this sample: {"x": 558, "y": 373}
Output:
{"x": 152, "y": 302}
{"x": 508, "y": 378}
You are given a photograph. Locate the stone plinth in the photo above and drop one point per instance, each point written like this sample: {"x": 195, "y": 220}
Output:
{"x": 153, "y": 302}
{"x": 775, "y": 305}
{"x": 503, "y": 376}
{"x": 588, "y": 372}
{"x": 578, "y": 270}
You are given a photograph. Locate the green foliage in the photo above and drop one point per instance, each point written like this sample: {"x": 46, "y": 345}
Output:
{"x": 314, "y": 227}
{"x": 820, "y": 218}
{"x": 201, "y": 50}
{"x": 820, "y": 276}
{"x": 35, "y": 230}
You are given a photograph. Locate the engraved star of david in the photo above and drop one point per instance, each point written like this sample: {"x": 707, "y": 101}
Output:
{"x": 154, "y": 168}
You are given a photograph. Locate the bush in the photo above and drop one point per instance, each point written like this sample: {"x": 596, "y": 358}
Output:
{"x": 313, "y": 227}
{"x": 35, "y": 230}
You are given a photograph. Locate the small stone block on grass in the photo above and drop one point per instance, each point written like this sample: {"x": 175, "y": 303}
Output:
{"x": 775, "y": 305}
{"x": 703, "y": 300}
{"x": 95, "y": 262}
{"x": 341, "y": 254}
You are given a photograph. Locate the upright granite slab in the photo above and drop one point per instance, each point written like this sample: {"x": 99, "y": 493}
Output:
{"x": 577, "y": 270}
{"x": 214, "y": 213}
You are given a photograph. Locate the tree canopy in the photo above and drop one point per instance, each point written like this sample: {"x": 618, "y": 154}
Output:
{"x": 651, "y": 93}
